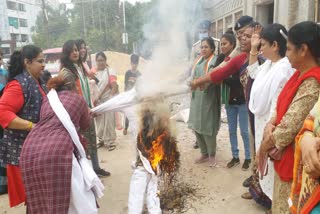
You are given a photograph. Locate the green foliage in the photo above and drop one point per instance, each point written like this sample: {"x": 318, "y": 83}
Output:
{"x": 98, "y": 22}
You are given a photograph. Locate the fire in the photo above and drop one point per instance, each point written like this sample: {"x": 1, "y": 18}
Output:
{"x": 157, "y": 151}
{"x": 156, "y": 142}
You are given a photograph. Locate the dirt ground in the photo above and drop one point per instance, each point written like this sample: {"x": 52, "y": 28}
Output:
{"x": 220, "y": 188}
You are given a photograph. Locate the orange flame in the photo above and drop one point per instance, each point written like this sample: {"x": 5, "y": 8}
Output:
{"x": 157, "y": 151}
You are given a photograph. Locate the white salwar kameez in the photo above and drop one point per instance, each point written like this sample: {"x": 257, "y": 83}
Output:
{"x": 269, "y": 79}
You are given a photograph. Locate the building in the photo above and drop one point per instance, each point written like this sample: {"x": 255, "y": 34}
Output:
{"x": 16, "y": 22}
{"x": 224, "y": 13}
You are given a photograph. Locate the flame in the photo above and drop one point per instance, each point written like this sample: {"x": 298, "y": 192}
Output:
{"x": 157, "y": 151}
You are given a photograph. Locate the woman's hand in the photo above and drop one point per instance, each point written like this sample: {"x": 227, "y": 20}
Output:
{"x": 194, "y": 84}
{"x": 255, "y": 39}
{"x": 92, "y": 114}
{"x": 267, "y": 133}
{"x": 310, "y": 155}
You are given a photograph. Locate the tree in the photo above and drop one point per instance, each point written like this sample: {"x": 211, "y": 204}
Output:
{"x": 58, "y": 25}
{"x": 98, "y": 22}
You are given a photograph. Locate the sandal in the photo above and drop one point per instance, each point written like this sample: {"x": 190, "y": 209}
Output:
{"x": 111, "y": 147}
{"x": 100, "y": 144}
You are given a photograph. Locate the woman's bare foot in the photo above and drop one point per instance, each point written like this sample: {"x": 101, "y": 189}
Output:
{"x": 202, "y": 159}
{"x": 212, "y": 162}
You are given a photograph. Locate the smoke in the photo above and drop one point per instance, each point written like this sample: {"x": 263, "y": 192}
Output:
{"x": 169, "y": 31}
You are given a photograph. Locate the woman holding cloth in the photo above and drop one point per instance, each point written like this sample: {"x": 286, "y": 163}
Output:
{"x": 205, "y": 107}
{"x": 47, "y": 157}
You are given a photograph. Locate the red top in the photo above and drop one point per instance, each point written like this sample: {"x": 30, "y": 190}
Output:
{"x": 232, "y": 67}
{"x": 11, "y": 102}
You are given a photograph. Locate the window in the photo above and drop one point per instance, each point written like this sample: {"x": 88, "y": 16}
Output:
{"x": 14, "y": 22}
{"x": 24, "y": 38}
{"x": 23, "y": 23}
{"x": 14, "y": 36}
{"x": 22, "y": 7}
{"x": 11, "y": 5}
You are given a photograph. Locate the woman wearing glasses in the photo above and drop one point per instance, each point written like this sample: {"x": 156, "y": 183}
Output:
{"x": 19, "y": 112}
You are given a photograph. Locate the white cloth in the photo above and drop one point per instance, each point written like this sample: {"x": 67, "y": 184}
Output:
{"x": 269, "y": 81}
{"x": 81, "y": 200}
{"x": 182, "y": 115}
{"x": 90, "y": 183}
{"x": 269, "y": 77}
{"x": 122, "y": 100}
{"x": 143, "y": 183}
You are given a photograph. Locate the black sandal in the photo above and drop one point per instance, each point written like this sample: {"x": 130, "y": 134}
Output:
{"x": 111, "y": 147}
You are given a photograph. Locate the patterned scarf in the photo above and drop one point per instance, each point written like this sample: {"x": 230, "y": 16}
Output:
{"x": 284, "y": 167}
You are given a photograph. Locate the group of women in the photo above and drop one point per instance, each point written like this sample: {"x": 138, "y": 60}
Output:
{"x": 38, "y": 152}
{"x": 281, "y": 91}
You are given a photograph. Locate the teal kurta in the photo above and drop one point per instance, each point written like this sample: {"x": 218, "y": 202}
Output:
{"x": 205, "y": 106}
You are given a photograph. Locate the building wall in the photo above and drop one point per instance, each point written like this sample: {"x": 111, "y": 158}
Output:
{"x": 286, "y": 12}
{"x": 222, "y": 14}
{"x": 22, "y": 33}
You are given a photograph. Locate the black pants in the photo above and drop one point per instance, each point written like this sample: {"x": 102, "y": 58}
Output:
{"x": 126, "y": 126}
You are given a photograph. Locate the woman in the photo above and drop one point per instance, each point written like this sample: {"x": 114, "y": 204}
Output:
{"x": 70, "y": 62}
{"x": 107, "y": 88}
{"x": 269, "y": 79}
{"x": 46, "y": 157}
{"x": 83, "y": 54}
{"x": 233, "y": 97}
{"x": 205, "y": 106}
{"x": 24, "y": 92}
{"x": 306, "y": 173}
{"x": 294, "y": 103}
{"x": 3, "y": 82}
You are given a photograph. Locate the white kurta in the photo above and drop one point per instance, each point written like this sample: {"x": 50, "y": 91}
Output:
{"x": 270, "y": 78}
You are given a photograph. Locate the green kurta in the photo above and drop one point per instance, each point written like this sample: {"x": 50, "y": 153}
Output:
{"x": 205, "y": 106}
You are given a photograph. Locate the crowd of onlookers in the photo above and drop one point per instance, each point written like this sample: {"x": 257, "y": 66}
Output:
{"x": 267, "y": 77}
{"x": 40, "y": 156}
{"x": 269, "y": 81}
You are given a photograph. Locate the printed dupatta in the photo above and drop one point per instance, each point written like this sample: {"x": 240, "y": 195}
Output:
{"x": 199, "y": 60}
{"x": 305, "y": 190}
{"x": 84, "y": 84}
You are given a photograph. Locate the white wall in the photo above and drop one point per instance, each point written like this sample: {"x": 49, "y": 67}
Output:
{"x": 32, "y": 10}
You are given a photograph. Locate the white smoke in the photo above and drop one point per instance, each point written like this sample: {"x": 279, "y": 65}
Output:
{"x": 171, "y": 23}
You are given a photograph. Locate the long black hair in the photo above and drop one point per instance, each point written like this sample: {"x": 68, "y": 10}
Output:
{"x": 210, "y": 42}
{"x": 16, "y": 63}
{"x": 65, "y": 61}
{"x": 271, "y": 33}
{"x": 230, "y": 37}
{"x": 79, "y": 42}
{"x": 308, "y": 33}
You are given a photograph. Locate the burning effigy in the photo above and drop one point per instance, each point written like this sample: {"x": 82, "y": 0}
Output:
{"x": 157, "y": 157}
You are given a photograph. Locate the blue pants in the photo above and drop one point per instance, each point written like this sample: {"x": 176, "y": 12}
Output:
{"x": 232, "y": 114}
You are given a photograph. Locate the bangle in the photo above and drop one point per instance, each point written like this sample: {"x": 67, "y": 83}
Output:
{"x": 254, "y": 54}
{"x": 30, "y": 124}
